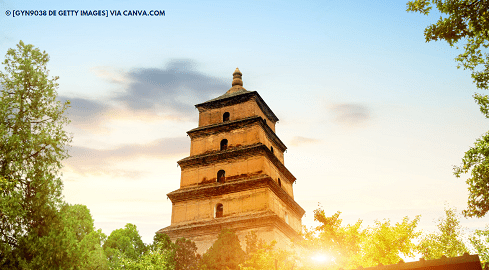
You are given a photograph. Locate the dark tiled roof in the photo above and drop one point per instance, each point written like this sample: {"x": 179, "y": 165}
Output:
{"x": 465, "y": 262}
{"x": 227, "y": 95}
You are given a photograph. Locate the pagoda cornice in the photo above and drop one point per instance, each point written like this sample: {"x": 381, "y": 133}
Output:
{"x": 231, "y": 125}
{"x": 214, "y": 189}
{"x": 236, "y": 152}
{"x": 241, "y": 222}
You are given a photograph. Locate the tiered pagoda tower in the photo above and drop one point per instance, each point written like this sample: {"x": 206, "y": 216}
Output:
{"x": 235, "y": 176}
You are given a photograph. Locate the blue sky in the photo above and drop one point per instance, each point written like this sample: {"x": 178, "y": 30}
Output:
{"x": 374, "y": 118}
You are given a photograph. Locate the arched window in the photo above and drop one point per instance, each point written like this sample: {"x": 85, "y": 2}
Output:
{"x": 224, "y": 144}
{"x": 225, "y": 117}
{"x": 221, "y": 175}
{"x": 279, "y": 182}
{"x": 271, "y": 149}
{"x": 219, "y": 210}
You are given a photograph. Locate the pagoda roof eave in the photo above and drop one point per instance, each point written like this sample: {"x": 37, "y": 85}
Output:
{"x": 208, "y": 158}
{"x": 242, "y": 121}
{"x": 237, "y": 95}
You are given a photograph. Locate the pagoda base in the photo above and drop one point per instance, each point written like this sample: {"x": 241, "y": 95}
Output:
{"x": 266, "y": 224}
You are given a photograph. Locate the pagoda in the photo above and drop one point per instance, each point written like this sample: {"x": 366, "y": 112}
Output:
{"x": 235, "y": 176}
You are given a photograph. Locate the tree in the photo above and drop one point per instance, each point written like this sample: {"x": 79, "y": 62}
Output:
{"x": 32, "y": 146}
{"x": 476, "y": 161}
{"x": 181, "y": 255}
{"x": 448, "y": 241}
{"x": 352, "y": 246}
{"x": 150, "y": 260}
{"x": 160, "y": 255}
{"x": 124, "y": 244}
{"x": 385, "y": 243}
{"x": 162, "y": 241}
{"x": 343, "y": 243}
{"x": 72, "y": 243}
{"x": 480, "y": 242}
{"x": 225, "y": 253}
{"x": 186, "y": 256}
{"x": 467, "y": 21}
{"x": 93, "y": 256}
{"x": 265, "y": 256}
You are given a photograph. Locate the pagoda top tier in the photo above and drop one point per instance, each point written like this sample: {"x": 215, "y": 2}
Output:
{"x": 237, "y": 94}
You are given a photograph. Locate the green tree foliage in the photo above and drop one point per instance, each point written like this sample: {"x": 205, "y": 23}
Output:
{"x": 467, "y": 21}
{"x": 125, "y": 250}
{"x": 186, "y": 256}
{"x": 124, "y": 244}
{"x": 162, "y": 241}
{"x": 163, "y": 245}
{"x": 224, "y": 254}
{"x": 181, "y": 255}
{"x": 384, "y": 243}
{"x": 72, "y": 243}
{"x": 93, "y": 256}
{"x": 476, "y": 162}
{"x": 150, "y": 260}
{"x": 343, "y": 243}
{"x": 32, "y": 146}
{"x": 160, "y": 255}
{"x": 480, "y": 242}
{"x": 263, "y": 256}
{"x": 352, "y": 246}
{"x": 447, "y": 241}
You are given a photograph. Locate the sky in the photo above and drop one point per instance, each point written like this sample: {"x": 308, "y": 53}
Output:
{"x": 374, "y": 117}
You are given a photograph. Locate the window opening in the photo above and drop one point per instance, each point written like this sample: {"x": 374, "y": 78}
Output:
{"x": 225, "y": 117}
{"x": 224, "y": 144}
{"x": 219, "y": 210}
{"x": 286, "y": 217}
{"x": 279, "y": 183}
{"x": 221, "y": 175}
{"x": 271, "y": 149}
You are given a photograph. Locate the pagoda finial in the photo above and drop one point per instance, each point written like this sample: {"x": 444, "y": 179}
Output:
{"x": 237, "y": 77}
{"x": 237, "y": 82}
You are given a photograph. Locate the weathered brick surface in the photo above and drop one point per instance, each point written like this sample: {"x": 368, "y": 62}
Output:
{"x": 266, "y": 224}
{"x": 246, "y": 131}
{"x": 238, "y": 197}
{"x": 270, "y": 164}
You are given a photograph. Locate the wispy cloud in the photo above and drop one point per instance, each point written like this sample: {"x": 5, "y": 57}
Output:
{"x": 350, "y": 114}
{"x": 86, "y": 161}
{"x": 110, "y": 74}
{"x": 299, "y": 140}
{"x": 86, "y": 113}
{"x": 174, "y": 89}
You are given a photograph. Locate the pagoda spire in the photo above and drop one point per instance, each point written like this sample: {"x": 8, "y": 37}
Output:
{"x": 237, "y": 80}
{"x": 237, "y": 84}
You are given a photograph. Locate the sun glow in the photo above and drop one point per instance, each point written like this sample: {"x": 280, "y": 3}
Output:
{"x": 320, "y": 258}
